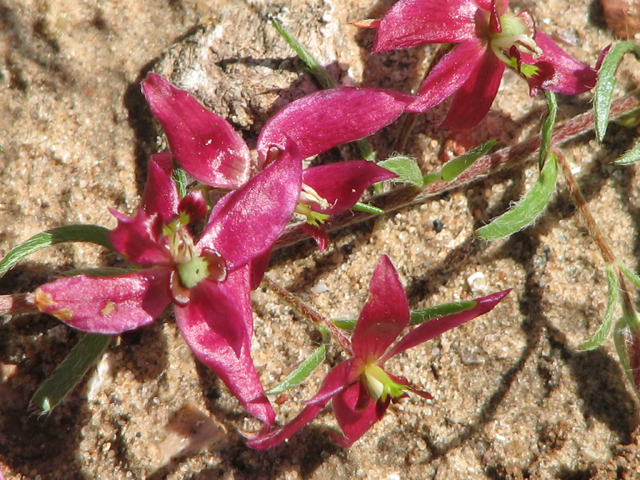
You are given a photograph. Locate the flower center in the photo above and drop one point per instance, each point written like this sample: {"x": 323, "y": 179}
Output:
{"x": 511, "y": 35}
{"x": 191, "y": 266}
{"x": 310, "y": 198}
{"x": 380, "y": 384}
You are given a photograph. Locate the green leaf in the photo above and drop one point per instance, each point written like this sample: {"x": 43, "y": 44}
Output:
{"x": 301, "y": 373}
{"x": 68, "y": 233}
{"x": 180, "y": 177}
{"x": 348, "y": 324}
{"x": 426, "y": 314}
{"x": 632, "y": 156}
{"x": 316, "y": 69}
{"x": 453, "y": 168}
{"x": 606, "y": 83}
{"x": 365, "y": 207}
{"x": 627, "y": 332}
{"x": 406, "y": 168}
{"x": 321, "y": 75}
{"x": 603, "y": 332}
{"x": 529, "y": 207}
{"x": 630, "y": 274}
{"x": 83, "y": 356}
{"x": 547, "y": 127}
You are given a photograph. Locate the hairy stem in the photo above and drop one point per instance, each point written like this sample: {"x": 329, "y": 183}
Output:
{"x": 507, "y": 157}
{"x": 602, "y": 242}
{"x": 308, "y": 312}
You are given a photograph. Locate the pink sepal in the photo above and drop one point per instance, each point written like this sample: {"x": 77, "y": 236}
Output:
{"x": 354, "y": 419}
{"x": 472, "y": 101}
{"x": 107, "y": 305}
{"x": 318, "y": 234}
{"x": 256, "y": 213}
{"x": 449, "y": 74}
{"x": 140, "y": 239}
{"x": 411, "y": 23}
{"x": 564, "y": 74}
{"x": 203, "y": 143}
{"x": 236, "y": 371}
{"x": 385, "y": 314}
{"x": 438, "y": 326}
{"x": 160, "y": 194}
{"x": 328, "y": 118}
{"x": 342, "y": 184}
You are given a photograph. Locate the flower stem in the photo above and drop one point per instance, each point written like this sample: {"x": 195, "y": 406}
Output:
{"x": 308, "y": 312}
{"x": 602, "y": 242}
{"x": 507, "y": 157}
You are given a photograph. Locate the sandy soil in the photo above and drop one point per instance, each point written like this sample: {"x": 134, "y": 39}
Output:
{"x": 513, "y": 397}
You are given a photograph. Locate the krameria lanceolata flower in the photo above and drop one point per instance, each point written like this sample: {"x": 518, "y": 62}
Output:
{"x": 487, "y": 38}
{"x": 360, "y": 388}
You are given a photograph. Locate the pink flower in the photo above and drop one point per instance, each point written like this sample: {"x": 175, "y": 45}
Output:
{"x": 488, "y": 37}
{"x": 206, "y": 146}
{"x": 208, "y": 280}
{"x": 360, "y": 388}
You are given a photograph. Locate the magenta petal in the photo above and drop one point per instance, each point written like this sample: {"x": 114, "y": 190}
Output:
{"x": 194, "y": 205}
{"x": 140, "y": 239}
{"x": 568, "y": 75}
{"x": 385, "y": 314}
{"x": 107, "y": 305}
{"x": 410, "y": 23}
{"x": 279, "y": 435}
{"x": 203, "y": 143}
{"x": 449, "y": 74}
{"x": 353, "y": 421}
{"x": 328, "y": 118}
{"x": 343, "y": 183}
{"x": 209, "y": 305}
{"x": 318, "y": 234}
{"x": 244, "y": 224}
{"x": 237, "y": 372}
{"x": 472, "y": 101}
{"x": 160, "y": 193}
{"x": 438, "y": 326}
{"x": 335, "y": 381}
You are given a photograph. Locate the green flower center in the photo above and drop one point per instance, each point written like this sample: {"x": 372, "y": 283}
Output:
{"x": 380, "y": 384}
{"x": 516, "y": 31}
{"x": 192, "y": 266}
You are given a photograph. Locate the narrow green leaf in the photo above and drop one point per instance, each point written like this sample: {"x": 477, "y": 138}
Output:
{"x": 180, "y": 177}
{"x": 348, "y": 324}
{"x": 321, "y": 75}
{"x": 453, "y": 168}
{"x": 366, "y": 151}
{"x": 547, "y": 127}
{"x": 316, "y": 69}
{"x": 365, "y": 207}
{"x": 406, "y": 168}
{"x": 606, "y": 83}
{"x": 529, "y": 207}
{"x": 630, "y": 274}
{"x": 626, "y": 333}
{"x": 68, "y": 233}
{"x": 83, "y": 356}
{"x": 632, "y": 156}
{"x": 603, "y": 332}
{"x": 301, "y": 373}
{"x": 426, "y": 314}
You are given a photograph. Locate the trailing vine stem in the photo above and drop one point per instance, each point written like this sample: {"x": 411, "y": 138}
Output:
{"x": 308, "y": 312}
{"x": 602, "y": 242}
{"x": 502, "y": 159}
